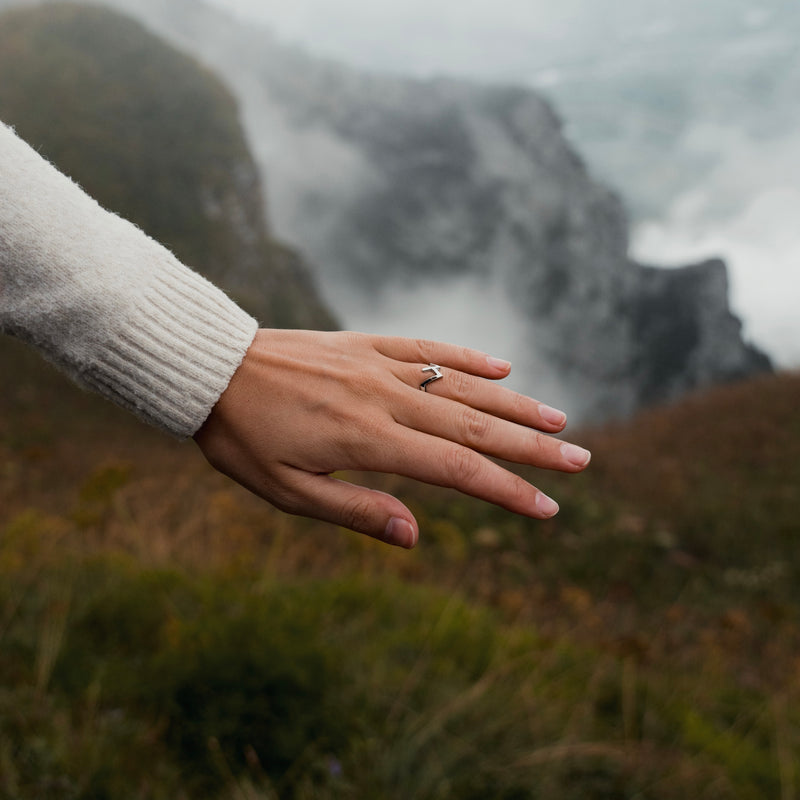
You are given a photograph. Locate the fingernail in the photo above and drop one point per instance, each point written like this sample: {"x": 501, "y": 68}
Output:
{"x": 546, "y": 506}
{"x": 576, "y": 456}
{"x": 552, "y": 415}
{"x": 498, "y": 363}
{"x": 400, "y": 532}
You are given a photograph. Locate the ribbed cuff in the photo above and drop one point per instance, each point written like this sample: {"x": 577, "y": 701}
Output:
{"x": 170, "y": 361}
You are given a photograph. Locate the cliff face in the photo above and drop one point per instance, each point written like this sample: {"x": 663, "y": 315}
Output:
{"x": 155, "y": 137}
{"x": 425, "y": 202}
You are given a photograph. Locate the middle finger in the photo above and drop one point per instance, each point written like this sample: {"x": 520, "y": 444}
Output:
{"x": 489, "y": 433}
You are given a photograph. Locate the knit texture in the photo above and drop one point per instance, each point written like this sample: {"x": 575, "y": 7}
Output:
{"x": 110, "y": 306}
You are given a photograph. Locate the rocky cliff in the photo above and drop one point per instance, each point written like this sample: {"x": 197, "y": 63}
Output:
{"x": 457, "y": 210}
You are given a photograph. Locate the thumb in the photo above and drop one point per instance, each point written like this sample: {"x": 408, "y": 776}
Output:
{"x": 363, "y": 510}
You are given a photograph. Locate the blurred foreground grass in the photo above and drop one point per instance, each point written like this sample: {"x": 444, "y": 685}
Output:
{"x": 164, "y": 634}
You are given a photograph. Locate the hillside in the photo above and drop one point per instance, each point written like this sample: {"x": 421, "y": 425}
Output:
{"x": 156, "y": 138}
{"x": 643, "y": 643}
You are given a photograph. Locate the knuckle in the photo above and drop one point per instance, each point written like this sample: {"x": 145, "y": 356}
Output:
{"x": 466, "y": 356}
{"x": 351, "y": 338}
{"x": 460, "y": 384}
{"x": 425, "y": 348}
{"x": 462, "y": 466}
{"x": 518, "y": 493}
{"x": 474, "y": 426}
{"x": 357, "y": 514}
{"x": 541, "y": 449}
{"x": 520, "y": 406}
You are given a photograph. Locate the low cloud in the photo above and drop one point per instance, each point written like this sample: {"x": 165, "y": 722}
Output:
{"x": 464, "y": 311}
{"x": 746, "y": 210}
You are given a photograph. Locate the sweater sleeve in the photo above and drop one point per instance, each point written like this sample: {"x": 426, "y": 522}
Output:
{"x": 110, "y": 306}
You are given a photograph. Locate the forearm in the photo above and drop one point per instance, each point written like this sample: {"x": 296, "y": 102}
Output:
{"x": 109, "y": 305}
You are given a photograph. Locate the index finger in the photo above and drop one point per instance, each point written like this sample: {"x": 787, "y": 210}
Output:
{"x": 425, "y": 351}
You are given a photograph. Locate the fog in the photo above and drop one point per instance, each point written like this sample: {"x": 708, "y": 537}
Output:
{"x": 746, "y": 209}
{"x": 458, "y": 309}
{"x": 712, "y": 169}
{"x": 490, "y": 39}
{"x": 688, "y": 109}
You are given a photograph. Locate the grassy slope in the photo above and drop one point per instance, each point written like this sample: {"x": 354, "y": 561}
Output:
{"x": 154, "y": 137}
{"x": 643, "y": 644}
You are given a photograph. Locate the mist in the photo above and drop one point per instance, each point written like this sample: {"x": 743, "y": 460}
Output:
{"x": 687, "y": 109}
{"x": 748, "y": 214}
{"x": 457, "y": 311}
{"x": 460, "y": 309}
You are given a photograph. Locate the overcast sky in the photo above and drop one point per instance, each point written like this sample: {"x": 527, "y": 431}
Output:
{"x": 495, "y": 39}
{"x": 467, "y": 37}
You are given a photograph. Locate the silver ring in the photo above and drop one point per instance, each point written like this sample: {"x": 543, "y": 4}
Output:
{"x": 437, "y": 373}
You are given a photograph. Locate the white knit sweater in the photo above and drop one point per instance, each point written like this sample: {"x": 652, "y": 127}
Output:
{"x": 109, "y": 305}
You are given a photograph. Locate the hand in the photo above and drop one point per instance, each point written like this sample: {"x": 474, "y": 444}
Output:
{"x": 304, "y": 404}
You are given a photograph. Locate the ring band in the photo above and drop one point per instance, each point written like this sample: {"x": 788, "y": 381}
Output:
{"x": 437, "y": 373}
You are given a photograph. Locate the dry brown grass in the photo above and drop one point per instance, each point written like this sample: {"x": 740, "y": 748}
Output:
{"x": 672, "y": 564}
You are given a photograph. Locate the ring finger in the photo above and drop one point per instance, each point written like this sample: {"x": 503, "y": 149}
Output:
{"x": 485, "y": 395}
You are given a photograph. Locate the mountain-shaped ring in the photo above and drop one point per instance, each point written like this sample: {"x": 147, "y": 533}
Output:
{"x": 437, "y": 373}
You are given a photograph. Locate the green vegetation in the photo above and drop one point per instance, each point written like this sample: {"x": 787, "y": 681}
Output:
{"x": 165, "y": 634}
